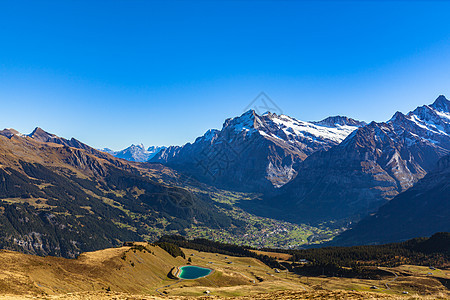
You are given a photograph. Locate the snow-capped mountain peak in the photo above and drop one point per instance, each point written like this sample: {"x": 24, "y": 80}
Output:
{"x": 431, "y": 122}
{"x": 248, "y": 121}
{"x": 327, "y": 132}
{"x": 135, "y": 152}
{"x": 256, "y": 150}
{"x": 441, "y": 104}
{"x": 332, "y": 129}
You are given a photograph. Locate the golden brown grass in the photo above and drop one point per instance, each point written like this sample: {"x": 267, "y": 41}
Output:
{"x": 124, "y": 273}
{"x": 276, "y": 255}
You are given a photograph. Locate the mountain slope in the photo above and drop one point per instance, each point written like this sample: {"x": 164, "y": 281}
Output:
{"x": 420, "y": 211}
{"x": 371, "y": 166}
{"x": 61, "y": 200}
{"x": 141, "y": 267}
{"x": 253, "y": 152}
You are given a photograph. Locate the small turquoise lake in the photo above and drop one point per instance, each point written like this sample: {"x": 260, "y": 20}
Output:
{"x": 193, "y": 272}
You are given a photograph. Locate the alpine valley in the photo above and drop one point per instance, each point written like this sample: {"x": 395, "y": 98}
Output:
{"x": 61, "y": 197}
{"x": 261, "y": 180}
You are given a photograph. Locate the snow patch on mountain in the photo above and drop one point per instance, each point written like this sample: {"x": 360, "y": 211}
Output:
{"x": 135, "y": 152}
{"x": 311, "y": 131}
{"x": 430, "y": 123}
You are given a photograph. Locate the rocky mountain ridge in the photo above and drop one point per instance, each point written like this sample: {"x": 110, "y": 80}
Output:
{"x": 371, "y": 166}
{"x": 255, "y": 152}
{"x": 421, "y": 210}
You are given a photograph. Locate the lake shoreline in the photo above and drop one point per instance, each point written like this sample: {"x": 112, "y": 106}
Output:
{"x": 179, "y": 271}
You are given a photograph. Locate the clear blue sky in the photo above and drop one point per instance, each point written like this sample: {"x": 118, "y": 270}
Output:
{"x": 112, "y": 73}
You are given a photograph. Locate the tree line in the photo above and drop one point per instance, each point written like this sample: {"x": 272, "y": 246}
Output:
{"x": 355, "y": 261}
{"x": 205, "y": 245}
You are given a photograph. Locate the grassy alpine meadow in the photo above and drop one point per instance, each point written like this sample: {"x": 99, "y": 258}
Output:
{"x": 143, "y": 271}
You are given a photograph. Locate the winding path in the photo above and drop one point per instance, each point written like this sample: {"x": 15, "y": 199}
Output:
{"x": 166, "y": 286}
{"x": 392, "y": 280}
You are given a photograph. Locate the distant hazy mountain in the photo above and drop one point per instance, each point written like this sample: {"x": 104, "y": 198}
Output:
{"x": 422, "y": 210}
{"x": 372, "y": 165}
{"x": 256, "y": 152}
{"x": 135, "y": 152}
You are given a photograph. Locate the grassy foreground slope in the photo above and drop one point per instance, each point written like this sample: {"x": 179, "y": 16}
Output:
{"x": 142, "y": 272}
{"x": 121, "y": 269}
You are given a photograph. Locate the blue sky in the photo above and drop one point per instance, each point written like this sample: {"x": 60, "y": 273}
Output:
{"x": 112, "y": 73}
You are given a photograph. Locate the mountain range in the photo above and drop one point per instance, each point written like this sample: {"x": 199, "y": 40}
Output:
{"x": 334, "y": 169}
{"x": 61, "y": 197}
{"x": 254, "y": 152}
{"x": 371, "y": 166}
